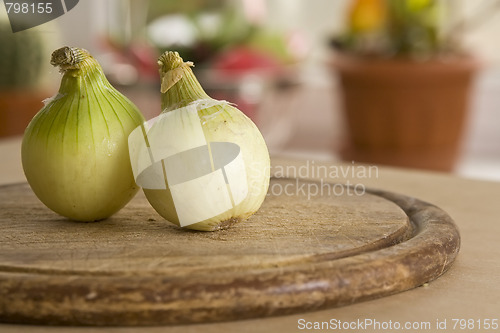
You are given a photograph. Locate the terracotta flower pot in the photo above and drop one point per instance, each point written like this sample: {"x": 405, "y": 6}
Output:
{"x": 17, "y": 108}
{"x": 403, "y": 112}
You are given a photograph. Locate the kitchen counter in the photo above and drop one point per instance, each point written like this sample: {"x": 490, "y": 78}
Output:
{"x": 468, "y": 291}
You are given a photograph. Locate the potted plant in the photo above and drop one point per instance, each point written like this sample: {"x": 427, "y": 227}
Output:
{"x": 405, "y": 85}
{"x": 21, "y": 62}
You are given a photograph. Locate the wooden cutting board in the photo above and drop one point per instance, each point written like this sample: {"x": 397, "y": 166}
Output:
{"x": 300, "y": 252}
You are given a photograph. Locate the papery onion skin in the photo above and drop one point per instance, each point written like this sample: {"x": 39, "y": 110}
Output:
{"x": 220, "y": 123}
{"x": 75, "y": 150}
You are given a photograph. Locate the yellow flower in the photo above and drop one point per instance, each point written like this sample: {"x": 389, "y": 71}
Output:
{"x": 367, "y": 16}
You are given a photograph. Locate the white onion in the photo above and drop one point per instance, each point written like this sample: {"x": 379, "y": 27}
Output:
{"x": 74, "y": 151}
{"x": 202, "y": 163}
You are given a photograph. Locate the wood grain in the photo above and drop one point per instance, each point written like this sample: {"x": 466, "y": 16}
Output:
{"x": 300, "y": 252}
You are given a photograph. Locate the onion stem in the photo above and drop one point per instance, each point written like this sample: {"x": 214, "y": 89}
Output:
{"x": 179, "y": 84}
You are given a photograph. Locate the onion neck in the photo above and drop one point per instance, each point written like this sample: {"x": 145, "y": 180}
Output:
{"x": 179, "y": 85}
{"x": 78, "y": 67}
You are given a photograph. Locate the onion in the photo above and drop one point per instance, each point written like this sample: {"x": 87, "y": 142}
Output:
{"x": 202, "y": 163}
{"x": 74, "y": 151}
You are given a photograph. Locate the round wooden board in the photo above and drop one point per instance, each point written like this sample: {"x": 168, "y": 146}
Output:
{"x": 311, "y": 246}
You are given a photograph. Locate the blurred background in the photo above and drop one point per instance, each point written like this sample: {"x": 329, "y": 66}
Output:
{"x": 409, "y": 83}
